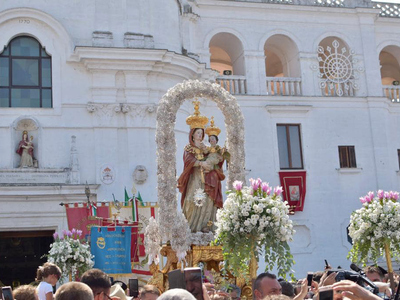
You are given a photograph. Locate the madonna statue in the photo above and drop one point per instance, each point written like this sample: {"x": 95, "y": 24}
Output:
{"x": 25, "y": 150}
{"x": 193, "y": 176}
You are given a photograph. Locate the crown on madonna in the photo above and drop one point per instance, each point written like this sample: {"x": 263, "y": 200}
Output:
{"x": 196, "y": 120}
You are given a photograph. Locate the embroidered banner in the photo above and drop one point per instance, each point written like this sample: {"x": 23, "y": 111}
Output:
{"x": 111, "y": 248}
{"x": 294, "y": 188}
{"x": 80, "y": 215}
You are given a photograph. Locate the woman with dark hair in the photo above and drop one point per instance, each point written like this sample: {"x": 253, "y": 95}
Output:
{"x": 48, "y": 274}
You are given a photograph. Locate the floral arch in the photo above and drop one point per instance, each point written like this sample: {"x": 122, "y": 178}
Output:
{"x": 166, "y": 145}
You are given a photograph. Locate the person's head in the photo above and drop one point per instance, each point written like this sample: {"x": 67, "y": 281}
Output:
{"x": 149, "y": 292}
{"x": 176, "y": 294}
{"x": 287, "y": 288}
{"x": 25, "y": 135}
{"x": 373, "y": 273}
{"x": 193, "y": 282}
{"x": 25, "y": 292}
{"x": 74, "y": 290}
{"x": 234, "y": 292}
{"x": 198, "y": 134}
{"x": 49, "y": 273}
{"x": 266, "y": 284}
{"x": 99, "y": 282}
{"x": 213, "y": 140}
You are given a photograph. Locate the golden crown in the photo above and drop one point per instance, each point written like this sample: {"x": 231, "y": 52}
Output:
{"x": 212, "y": 129}
{"x": 196, "y": 120}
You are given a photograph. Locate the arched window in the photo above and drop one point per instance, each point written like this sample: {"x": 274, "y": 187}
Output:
{"x": 25, "y": 74}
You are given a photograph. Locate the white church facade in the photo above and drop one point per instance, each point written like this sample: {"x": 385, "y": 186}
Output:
{"x": 317, "y": 82}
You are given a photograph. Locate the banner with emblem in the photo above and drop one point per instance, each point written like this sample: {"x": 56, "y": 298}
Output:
{"x": 111, "y": 247}
{"x": 84, "y": 215}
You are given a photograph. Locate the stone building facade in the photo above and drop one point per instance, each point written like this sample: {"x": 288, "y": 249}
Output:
{"x": 327, "y": 71}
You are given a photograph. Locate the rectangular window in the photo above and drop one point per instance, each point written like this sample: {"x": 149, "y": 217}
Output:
{"x": 347, "y": 157}
{"x": 289, "y": 145}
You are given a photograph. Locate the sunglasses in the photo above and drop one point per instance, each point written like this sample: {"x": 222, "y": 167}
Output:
{"x": 108, "y": 297}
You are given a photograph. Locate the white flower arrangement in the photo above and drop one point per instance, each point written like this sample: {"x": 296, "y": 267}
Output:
{"x": 70, "y": 253}
{"x": 374, "y": 226}
{"x": 254, "y": 219}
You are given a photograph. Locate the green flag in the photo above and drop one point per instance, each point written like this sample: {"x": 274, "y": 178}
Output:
{"x": 140, "y": 199}
{"x": 126, "y": 198}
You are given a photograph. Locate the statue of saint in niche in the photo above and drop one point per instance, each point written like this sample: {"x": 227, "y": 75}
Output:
{"x": 25, "y": 150}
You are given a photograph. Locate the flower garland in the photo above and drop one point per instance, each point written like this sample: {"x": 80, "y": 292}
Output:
{"x": 375, "y": 225}
{"x": 254, "y": 219}
{"x": 70, "y": 253}
{"x": 166, "y": 146}
{"x": 152, "y": 241}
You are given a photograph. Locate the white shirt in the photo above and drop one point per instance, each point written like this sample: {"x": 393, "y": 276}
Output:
{"x": 44, "y": 288}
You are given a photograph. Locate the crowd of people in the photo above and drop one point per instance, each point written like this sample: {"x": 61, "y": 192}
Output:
{"x": 96, "y": 285}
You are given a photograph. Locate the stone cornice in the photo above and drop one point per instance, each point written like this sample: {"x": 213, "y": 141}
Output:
{"x": 139, "y": 60}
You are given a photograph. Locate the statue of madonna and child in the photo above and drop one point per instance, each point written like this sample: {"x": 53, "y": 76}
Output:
{"x": 202, "y": 174}
{"x": 25, "y": 150}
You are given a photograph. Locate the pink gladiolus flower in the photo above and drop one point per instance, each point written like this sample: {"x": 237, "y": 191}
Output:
{"x": 79, "y": 232}
{"x": 278, "y": 190}
{"x": 264, "y": 187}
{"x": 367, "y": 199}
{"x": 380, "y": 194}
{"x": 238, "y": 185}
{"x": 269, "y": 190}
{"x": 362, "y": 199}
{"x": 55, "y": 235}
{"x": 259, "y": 181}
{"x": 73, "y": 231}
{"x": 69, "y": 233}
{"x": 395, "y": 196}
{"x": 254, "y": 185}
{"x": 371, "y": 195}
{"x": 386, "y": 195}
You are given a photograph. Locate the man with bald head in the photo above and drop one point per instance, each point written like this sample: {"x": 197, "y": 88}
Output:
{"x": 266, "y": 284}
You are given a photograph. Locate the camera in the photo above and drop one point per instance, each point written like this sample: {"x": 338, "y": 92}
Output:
{"x": 355, "y": 277}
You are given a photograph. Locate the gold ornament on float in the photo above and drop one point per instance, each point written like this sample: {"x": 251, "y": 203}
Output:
{"x": 212, "y": 129}
{"x": 196, "y": 120}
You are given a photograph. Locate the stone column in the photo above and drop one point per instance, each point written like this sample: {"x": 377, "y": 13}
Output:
{"x": 309, "y": 74}
{"x": 255, "y": 72}
{"x": 373, "y": 83}
{"x": 75, "y": 176}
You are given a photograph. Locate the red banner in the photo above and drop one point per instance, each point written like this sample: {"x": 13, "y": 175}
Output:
{"x": 79, "y": 216}
{"x": 294, "y": 188}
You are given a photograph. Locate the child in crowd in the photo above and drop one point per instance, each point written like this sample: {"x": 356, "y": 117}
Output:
{"x": 48, "y": 274}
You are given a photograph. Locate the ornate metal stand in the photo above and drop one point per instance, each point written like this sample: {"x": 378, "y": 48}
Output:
{"x": 210, "y": 256}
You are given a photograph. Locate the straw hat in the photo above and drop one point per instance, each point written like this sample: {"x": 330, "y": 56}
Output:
{"x": 117, "y": 291}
